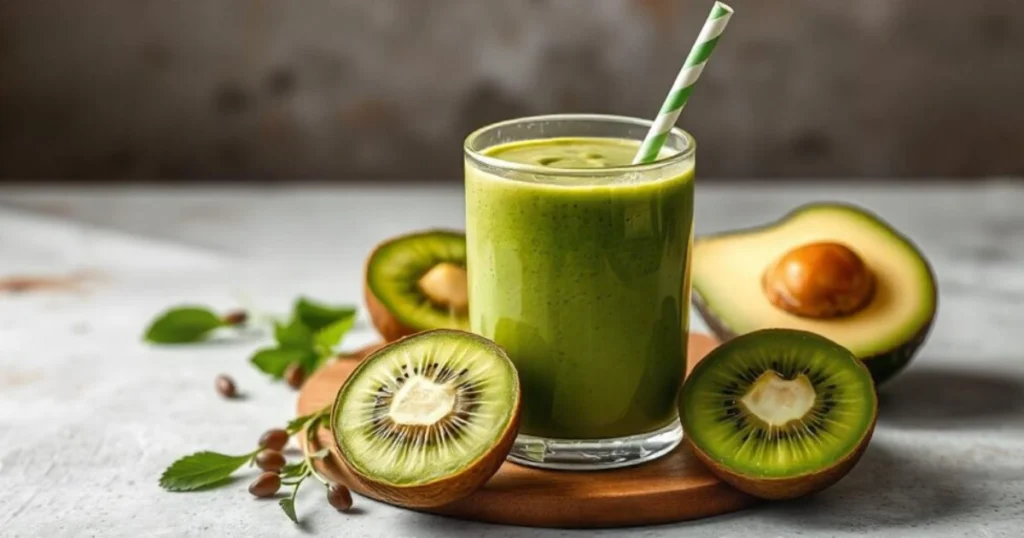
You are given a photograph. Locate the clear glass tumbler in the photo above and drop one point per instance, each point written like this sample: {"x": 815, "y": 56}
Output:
{"x": 582, "y": 275}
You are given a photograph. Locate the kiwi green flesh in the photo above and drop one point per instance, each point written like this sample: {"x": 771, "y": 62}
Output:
{"x": 716, "y": 420}
{"x": 409, "y": 438}
{"x": 394, "y": 271}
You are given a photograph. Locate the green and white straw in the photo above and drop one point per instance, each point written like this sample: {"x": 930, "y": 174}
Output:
{"x": 683, "y": 86}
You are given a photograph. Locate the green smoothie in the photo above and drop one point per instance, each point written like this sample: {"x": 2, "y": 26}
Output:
{"x": 583, "y": 281}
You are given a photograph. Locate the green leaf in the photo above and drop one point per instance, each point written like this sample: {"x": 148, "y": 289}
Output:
{"x": 298, "y": 423}
{"x": 288, "y": 505}
{"x": 199, "y": 470}
{"x": 330, "y": 336}
{"x": 316, "y": 315}
{"x": 274, "y": 361}
{"x": 293, "y": 469}
{"x": 311, "y": 362}
{"x": 183, "y": 325}
{"x": 293, "y": 335}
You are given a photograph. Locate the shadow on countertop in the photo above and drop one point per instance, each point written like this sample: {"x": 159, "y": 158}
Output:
{"x": 950, "y": 398}
{"x": 888, "y": 489}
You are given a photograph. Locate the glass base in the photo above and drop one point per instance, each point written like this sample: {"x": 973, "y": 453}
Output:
{"x": 595, "y": 454}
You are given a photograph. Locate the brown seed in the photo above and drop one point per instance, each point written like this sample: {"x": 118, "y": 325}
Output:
{"x": 339, "y": 497}
{"x": 237, "y": 317}
{"x": 274, "y": 439}
{"x": 226, "y": 386}
{"x": 270, "y": 460}
{"x": 294, "y": 375}
{"x": 819, "y": 280}
{"x": 265, "y": 485}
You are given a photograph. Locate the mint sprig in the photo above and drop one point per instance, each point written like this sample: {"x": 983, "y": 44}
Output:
{"x": 207, "y": 469}
{"x": 293, "y": 335}
{"x": 187, "y": 324}
{"x": 297, "y": 423}
{"x": 183, "y": 325}
{"x": 328, "y": 337}
{"x": 202, "y": 470}
{"x": 292, "y": 470}
{"x": 295, "y": 476}
{"x": 274, "y": 361}
{"x": 316, "y": 315}
{"x": 288, "y": 505}
{"x": 308, "y": 338}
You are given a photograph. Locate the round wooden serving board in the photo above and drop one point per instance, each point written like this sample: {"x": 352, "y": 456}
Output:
{"x": 676, "y": 487}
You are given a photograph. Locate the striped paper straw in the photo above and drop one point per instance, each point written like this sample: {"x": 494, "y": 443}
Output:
{"x": 684, "y": 83}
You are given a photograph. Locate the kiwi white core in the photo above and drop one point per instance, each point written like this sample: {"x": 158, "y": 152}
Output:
{"x": 445, "y": 286}
{"x": 421, "y": 402}
{"x": 777, "y": 401}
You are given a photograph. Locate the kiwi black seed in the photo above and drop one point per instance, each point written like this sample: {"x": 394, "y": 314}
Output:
{"x": 779, "y": 413}
{"x": 429, "y": 418}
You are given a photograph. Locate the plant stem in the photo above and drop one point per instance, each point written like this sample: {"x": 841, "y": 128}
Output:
{"x": 310, "y": 432}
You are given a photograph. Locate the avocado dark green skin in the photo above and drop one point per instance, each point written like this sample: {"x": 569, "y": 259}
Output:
{"x": 883, "y": 366}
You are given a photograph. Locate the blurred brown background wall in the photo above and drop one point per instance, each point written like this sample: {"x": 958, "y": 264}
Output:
{"x": 364, "y": 89}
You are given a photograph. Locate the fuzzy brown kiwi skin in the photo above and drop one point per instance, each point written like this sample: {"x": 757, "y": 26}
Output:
{"x": 794, "y": 486}
{"x": 387, "y": 324}
{"x": 363, "y": 352}
{"x": 786, "y": 488}
{"x": 444, "y": 490}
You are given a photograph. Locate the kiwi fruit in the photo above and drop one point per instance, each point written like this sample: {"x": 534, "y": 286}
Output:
{"x": 428, "y": 419}
{"x": 779, "y": 413}
{"x": 417, "y": 282}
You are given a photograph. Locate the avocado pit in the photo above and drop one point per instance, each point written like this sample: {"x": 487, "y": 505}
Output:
{"x": 819, "y": 280}
{"x": 444, "y": 285}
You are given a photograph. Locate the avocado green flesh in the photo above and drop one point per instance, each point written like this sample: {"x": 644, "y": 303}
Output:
{"x": 724, "y": 429}
{"x": 728, "y": 269}
{"x": 464, "y": 364}
{"x": 396, "y": 268}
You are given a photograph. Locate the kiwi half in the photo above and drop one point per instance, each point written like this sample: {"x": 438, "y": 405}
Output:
{"x": 417, "y": 282}
{"x": 428, "y": 419}
{"x": 779, "y": 413}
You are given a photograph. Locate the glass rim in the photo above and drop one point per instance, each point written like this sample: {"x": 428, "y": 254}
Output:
{"x": 480, "y": 158}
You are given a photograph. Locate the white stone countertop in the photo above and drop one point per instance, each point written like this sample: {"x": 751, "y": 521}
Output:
{"x": 90, "y": 415}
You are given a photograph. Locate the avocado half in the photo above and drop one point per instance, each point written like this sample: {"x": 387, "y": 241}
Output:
{"x": 885, "y": 333}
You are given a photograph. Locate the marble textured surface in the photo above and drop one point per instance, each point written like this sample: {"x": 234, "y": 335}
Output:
{"x": 89, "y": 415}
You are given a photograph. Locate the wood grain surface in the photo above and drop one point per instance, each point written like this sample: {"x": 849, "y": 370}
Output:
{"x": 674, "y": 488}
